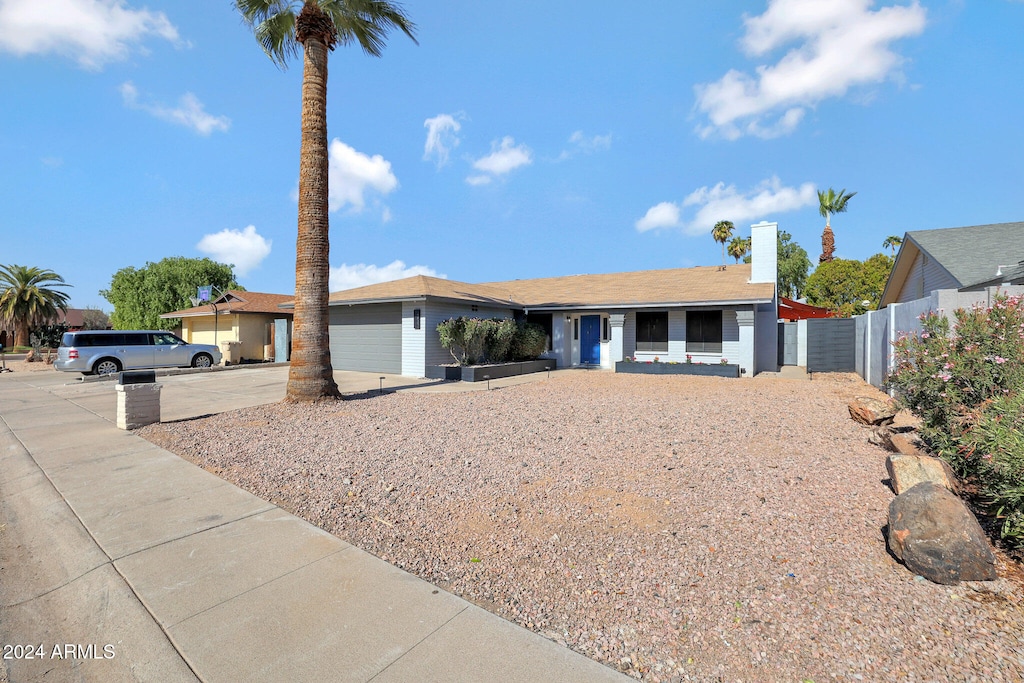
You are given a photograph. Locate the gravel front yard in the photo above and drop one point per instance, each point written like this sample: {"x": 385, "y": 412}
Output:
{"x": 676, "y": 528}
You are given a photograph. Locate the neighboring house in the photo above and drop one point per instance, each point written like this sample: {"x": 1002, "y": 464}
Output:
{"x": 965, "y": 259}
{"x": 236, "y": 316}
{"x": 709, "y": 313}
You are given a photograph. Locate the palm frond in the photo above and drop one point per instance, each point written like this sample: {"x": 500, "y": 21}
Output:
{"x": 273, "y": 24}
{"x": 367, "y": 22}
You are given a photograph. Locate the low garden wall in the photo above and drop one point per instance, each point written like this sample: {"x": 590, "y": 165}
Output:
{"x": 642, "y": 368}
{"x": 476, "y": 373}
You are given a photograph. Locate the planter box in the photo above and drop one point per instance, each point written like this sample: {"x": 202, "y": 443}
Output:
{"x": 475, "y": 373}
{"x": 641, "y": 368}
{"x": 446, "y": 372}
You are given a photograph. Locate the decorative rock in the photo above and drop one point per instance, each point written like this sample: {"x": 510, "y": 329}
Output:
{"x": 881, "y": 436}
{"x": 906, "y": 443}
{"x": 907, "y": 471}
{"x": 934, "y": 534}
{"x": 872, "y": 411}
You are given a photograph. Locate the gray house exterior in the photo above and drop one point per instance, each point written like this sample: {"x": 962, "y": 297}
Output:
{"x": 707, "y": 313}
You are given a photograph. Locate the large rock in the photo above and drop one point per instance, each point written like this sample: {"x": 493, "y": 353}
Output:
{"x": 906, "y": 443}
{"x": 907, "y": 471}
{"x": 935, "y": 535}
{"x": 872, "y": 411}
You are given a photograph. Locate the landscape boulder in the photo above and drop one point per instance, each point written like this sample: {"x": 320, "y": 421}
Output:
{"x": 872, "y": 411}
{"x": 934, "y": 534}
{"x": 907, "y": 471}
{"x": 906, "y": 443}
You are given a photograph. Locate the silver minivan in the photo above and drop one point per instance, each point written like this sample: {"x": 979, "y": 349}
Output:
{"x": 104, "y": 352}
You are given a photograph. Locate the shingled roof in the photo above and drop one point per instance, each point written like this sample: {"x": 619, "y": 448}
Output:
{"x": 972, "y": 254}
{"x": 237, "y": 301}
{"x": 677, "y": 286}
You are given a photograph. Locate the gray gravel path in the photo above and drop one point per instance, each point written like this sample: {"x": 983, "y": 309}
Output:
{"x": 676, "y": 528}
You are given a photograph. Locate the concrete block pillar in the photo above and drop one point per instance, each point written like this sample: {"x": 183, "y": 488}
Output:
{"x": 138, "y": 405}
{"x": 745, "y": 321}
{"x": 617, "y": 321}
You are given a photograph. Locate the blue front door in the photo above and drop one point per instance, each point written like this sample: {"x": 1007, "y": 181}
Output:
{"x": 590, "y": 340}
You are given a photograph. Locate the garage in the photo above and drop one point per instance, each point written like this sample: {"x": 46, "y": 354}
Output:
{"x": 367, "y": 338}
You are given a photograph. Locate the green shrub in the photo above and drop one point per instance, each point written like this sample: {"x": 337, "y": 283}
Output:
{"x": 47, "y": 336}
{"x": 967, "y": 386}
{"x": 530, "y": 342}
{"x": 991, "y": 452}
{"x": 473, "y": 341}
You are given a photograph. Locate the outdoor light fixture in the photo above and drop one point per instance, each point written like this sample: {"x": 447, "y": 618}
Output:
{"x": 548, "y": 368}
{"x": 415, "y": 318}
{"x": 488, "y": 378}
{"x": 381, "y": 386}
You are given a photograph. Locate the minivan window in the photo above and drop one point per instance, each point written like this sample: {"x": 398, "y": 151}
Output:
{"x": 67, "y": 340}
{"x": 136, "y": 339}
{"x": 166, "y": 339}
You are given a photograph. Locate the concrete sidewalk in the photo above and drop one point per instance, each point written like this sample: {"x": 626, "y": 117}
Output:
{"x": 120, "y": 561}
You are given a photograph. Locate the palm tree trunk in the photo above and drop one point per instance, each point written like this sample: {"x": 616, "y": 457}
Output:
{"x": 310, "y": 376}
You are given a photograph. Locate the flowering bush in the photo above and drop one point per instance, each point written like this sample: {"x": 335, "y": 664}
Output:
{"x": 965, "y": 384}
{"x": 689, "y": 358}
{"x": 724, "y": 361}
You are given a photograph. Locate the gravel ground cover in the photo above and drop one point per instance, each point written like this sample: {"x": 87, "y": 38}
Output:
{"x": 675, "y": 528}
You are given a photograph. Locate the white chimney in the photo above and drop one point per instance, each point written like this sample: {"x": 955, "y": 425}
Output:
{"x": 764, "y": 252}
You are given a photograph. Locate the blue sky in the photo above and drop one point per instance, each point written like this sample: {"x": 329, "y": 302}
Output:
{"x": 517, "y": 140}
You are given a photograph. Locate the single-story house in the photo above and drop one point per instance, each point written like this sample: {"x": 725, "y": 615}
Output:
{"x": 707, "y": 313}
{"x": 966, "y": 259}
{"x": 236, "y": 316}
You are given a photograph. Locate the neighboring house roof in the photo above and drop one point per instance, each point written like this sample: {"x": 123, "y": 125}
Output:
{"x": 237, "y": 301}
{"x": 709, "y": 285}
{"x": 73, "y": 317}
{"x": 969, "y": 255}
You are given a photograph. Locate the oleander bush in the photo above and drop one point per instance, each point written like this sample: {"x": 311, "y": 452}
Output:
{"x": 966, "y": 384}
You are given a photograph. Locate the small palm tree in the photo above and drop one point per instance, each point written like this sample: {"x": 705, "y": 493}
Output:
{"x": 721, "y": 233}
{"x": 892, "y": 242}
{"x": 830, "y": 203}
{"x": 315, "y": 29}
{"x": 739, "y": 247}
{"x": 28, "y": 298}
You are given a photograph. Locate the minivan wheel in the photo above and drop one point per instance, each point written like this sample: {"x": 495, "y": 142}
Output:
{"x": 202, "y": 360}
{"x": 106, "y": 366}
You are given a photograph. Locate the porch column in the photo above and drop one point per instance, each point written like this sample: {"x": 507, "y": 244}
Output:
{"x": 745, "y": 321}
{"x": 617, "y": 320}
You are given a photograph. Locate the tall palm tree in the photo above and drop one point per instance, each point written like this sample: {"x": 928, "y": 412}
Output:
{"x": 830, "y": 203}
{"x": 317, "y": 27}
{"x": 28, "y": 298}
{"x": 721, "y": 233}
{"x": 739, "y": 247}
{"x": 892, "y": 242}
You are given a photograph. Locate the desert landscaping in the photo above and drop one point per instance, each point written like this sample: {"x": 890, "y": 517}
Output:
{"x": 674, "y": 528}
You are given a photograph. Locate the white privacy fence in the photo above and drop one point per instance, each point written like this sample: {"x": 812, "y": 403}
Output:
{"x": 876, "y": 330}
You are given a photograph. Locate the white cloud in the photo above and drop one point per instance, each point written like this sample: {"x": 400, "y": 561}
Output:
{"x": 92, "y": 32}
{"x": 441, "y": 138}
{"x": 840, "y": 44}
{"x": 723, "y": 202}
{"x": 245, "y": 249}
{"x": 352, "y": 174}
{"x": 349, "y": 277}
{"x": 663, "y": 215}
{"x": 583, "y": 144}
{"x": 189, "y": 112}
{"x": 505, "y": 157}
